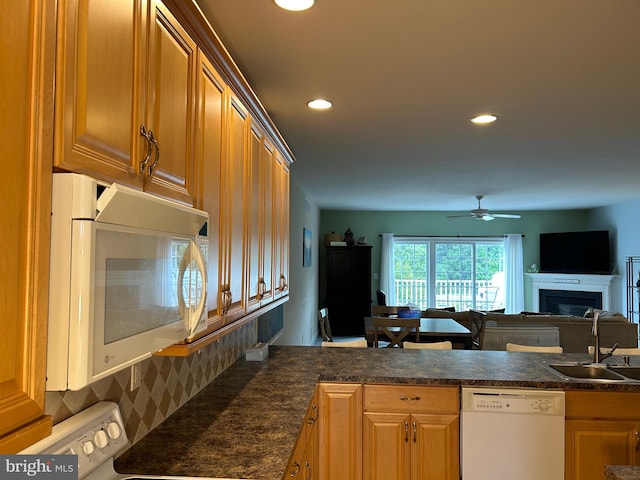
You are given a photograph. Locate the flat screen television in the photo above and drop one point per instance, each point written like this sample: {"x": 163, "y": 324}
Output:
{"x": 575, "y": 252}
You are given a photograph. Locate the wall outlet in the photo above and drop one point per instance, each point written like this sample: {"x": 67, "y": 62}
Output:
{"x": 136, "y": 376}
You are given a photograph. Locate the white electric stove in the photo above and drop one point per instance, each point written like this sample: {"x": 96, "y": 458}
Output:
{"x": 95, "y": 435}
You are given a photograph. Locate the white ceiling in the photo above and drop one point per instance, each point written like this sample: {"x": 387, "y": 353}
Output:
{"x": 405, "y": 76}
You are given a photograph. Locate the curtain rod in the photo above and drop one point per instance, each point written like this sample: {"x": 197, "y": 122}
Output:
{"x": 448, "y": 236}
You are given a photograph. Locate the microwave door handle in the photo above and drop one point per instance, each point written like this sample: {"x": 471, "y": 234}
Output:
{"x": 196, "y": 254}
{"x": 191, "y": 316}
{"x": 182, "y": 306}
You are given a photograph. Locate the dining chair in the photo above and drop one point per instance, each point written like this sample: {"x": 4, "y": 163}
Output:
{"x": 394, "y": 329}
{"x": 478, "y": 322}
{"x": 386, "y": 310}
{"x": 445, "y": 345}
{"x": 325, "y": 328}
{"x": 516, "y": 347}
{"x": 360, "y": 343}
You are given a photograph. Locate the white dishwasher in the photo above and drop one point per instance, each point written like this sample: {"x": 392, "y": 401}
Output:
{"x": 515, "y": 434}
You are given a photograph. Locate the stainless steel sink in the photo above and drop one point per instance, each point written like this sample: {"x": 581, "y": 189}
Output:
{"x": 629, "y": 372}
{"x": 588, "y": 372}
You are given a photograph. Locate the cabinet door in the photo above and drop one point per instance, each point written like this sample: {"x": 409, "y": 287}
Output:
{"x": 386, "y": 446}
{"x": 435, "y": 441}
{"x": 26, "y": 119}
{"x": 340, "y": 431}
{"x": 254, "y": 232}
{"x": 211, "y": 111}
{"x": 170, "y": 115}
{"x": 99, "y": 105}
{"x": 232, "y": 213}
{"x": 592, "y": 444}
{"x": 267, "y": 214}
{"x": 281, "y": 227}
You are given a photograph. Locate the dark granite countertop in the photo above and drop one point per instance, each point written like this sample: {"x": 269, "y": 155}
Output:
{"x": 622, "y": 472}
{"x": 244, "y": 424}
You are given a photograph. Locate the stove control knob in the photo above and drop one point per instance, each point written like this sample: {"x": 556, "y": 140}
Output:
{"x": 101, "y": 439}
{"x": 113, "y": 430}
{"x": 88, "y": 448}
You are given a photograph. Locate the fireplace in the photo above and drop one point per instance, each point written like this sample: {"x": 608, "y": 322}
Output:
{"x": 570, "y": 294}
{"x": 569, "y": 302}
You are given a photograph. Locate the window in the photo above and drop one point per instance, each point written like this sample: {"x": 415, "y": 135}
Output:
{"x": 455, "y": 272}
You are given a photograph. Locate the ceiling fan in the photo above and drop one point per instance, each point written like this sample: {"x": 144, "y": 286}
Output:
{"x": 484, "y": 214}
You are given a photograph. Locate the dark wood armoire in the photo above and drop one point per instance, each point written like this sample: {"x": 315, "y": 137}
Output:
{"x": 348, "y": 288}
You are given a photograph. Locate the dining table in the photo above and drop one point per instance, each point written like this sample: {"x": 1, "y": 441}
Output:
{"x": 433, "y": 329}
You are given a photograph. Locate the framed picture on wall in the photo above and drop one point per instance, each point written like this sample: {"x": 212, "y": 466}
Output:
{"x": 306, "y": 247}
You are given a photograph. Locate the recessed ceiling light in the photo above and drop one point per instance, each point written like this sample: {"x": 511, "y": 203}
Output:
{"x": 295, "y": 5}
{"x": 486, "y": 118}
{"x": 319, "y": 104}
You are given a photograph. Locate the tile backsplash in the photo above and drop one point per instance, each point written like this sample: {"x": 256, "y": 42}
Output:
{"x": 167, "y": 384}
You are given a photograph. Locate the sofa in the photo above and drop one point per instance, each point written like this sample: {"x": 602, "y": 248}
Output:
{"x": 575, "y": 333}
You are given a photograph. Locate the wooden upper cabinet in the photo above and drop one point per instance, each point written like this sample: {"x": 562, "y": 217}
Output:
{"x": 232, "y": 212}
{"x": 267, "y": 215}
{"x": 26, "y": 119}
{"x": 111, "y": 82}
{"x": 260, "y": 219}
{"x": 99, "y": 107}
{"x": 170, "y": 115}
{"x": 208, "y": 149}
{"x": 281, "y": 227}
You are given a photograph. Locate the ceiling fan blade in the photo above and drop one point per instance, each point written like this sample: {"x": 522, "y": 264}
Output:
{"x": 466, "y": 215}
{"x": 505, "y": 215}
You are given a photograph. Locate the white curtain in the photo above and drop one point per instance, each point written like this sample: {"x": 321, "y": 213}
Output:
{"x": 387, "y": 273}
{"x": 514, "y": 273}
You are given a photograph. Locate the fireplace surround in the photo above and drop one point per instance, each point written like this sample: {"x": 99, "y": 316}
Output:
{"x": 559, "y": 291}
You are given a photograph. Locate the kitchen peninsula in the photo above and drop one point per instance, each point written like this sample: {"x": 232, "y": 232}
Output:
{"x": 244, "y": 424}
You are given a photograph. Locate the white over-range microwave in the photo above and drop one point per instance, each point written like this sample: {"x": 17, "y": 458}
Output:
{"x": 128, "y": 278}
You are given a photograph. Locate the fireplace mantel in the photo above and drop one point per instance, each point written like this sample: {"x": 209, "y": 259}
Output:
{"x": 572, "y": 282}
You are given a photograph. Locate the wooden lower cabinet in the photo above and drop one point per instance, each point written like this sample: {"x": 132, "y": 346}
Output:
{"x": 411, "y": 432}
{"x": 340, "y": 431}
{"x": 387, "y": 432}
{"x": 410, "y": 446}
{"x": 602, "y": 428}
{"x": 303, "y": 463}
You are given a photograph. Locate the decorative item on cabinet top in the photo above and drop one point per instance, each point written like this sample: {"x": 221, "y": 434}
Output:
{"x": 329, "y": 238}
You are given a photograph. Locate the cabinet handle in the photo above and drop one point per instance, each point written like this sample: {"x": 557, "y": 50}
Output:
{"x": 406, "y": 431}
{"x": 296, "y": 470}
{"x": 155, "y": 142}
{"x": 415, "y": 432}
{"x": 145, "y": 161}
{"x": 314, "y": 416}
{"x": 409, "y": 399}
{"x": 260, "y": 288}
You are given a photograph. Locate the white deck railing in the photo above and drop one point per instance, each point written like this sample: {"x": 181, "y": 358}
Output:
{"x": 461, "y": 294}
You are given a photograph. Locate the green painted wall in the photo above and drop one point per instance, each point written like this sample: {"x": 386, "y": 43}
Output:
{"x": 372, "y": 224}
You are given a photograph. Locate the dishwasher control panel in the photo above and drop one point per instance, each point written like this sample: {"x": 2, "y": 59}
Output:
{"x": 497, "y": 400}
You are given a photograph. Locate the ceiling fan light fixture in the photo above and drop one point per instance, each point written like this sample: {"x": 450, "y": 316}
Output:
{"x": 484, "y": 119}
{"x": 295, "y": 5}
{"x": 320, "y": 104}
